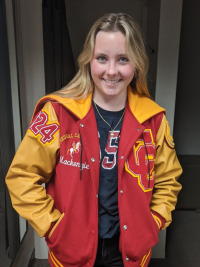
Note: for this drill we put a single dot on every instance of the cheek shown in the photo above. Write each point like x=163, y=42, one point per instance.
x=128, y=72
x=96, y=69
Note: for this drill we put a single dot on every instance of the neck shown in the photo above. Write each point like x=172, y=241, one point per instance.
x=111, y=103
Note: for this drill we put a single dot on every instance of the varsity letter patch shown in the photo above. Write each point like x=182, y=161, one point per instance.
x=43, y=129
x=140, y=164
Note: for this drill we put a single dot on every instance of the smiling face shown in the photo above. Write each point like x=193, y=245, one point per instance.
x=111, y=69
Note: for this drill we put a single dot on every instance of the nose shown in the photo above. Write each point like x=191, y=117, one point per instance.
x=112, y=69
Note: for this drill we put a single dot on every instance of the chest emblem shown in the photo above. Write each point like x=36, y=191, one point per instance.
x=73, y=159
x=75, y=148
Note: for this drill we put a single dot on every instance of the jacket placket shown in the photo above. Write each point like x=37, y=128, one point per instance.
x=131, y=131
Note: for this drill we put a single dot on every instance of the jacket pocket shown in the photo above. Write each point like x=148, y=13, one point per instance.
x=56, y=225
x=157, y=221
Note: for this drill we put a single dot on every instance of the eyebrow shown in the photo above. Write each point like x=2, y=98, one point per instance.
x=123, y=55
x=105, y=55
x=100, y=54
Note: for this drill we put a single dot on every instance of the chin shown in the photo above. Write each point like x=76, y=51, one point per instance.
x=111, y=92
x=114, y=91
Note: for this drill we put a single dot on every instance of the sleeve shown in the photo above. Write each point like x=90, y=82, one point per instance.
x=32, y=166
x=167, y=172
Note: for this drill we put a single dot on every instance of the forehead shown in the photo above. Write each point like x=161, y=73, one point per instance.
x=110, y=42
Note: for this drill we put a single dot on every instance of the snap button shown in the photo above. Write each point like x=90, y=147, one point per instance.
x=125, y=227
x=127, y=259
x=122, y=157
x=82, y=125
x=93, y=159
x=121, y=191
x=138, y=129
x=97, y=195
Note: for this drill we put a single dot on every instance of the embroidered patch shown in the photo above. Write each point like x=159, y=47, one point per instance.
x=168, y=138
x=73, y=160
x=74, y=148
x=69, y=136
x=43, y=129
x=72, y=163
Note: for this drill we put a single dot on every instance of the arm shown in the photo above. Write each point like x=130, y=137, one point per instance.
x=167, y=171
x=32, y=166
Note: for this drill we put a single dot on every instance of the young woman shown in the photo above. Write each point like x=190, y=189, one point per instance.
x=103, y=148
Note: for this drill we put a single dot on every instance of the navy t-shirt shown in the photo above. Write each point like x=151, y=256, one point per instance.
x=108, y=181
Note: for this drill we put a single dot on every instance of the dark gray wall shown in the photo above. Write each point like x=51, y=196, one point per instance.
x=187, y=113
x=82, y=14
x=9, y=230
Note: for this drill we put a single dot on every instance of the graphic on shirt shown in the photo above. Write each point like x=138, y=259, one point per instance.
x=110, y=159
x=140, y=164
x=74, y=149
x=43, y=129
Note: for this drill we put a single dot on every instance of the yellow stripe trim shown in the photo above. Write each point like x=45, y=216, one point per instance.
x=54, y=260
x=145, y=259
x=158, y=221
x=58, y=221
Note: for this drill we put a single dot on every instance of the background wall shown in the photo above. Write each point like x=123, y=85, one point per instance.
x=9, y=228
x=168, y=54
x=187, y=113
x=81, y=16
x=29, y=35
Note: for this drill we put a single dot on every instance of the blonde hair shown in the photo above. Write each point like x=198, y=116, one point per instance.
x=81, y=85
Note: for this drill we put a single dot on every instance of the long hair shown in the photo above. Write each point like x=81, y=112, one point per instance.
x=81, y=85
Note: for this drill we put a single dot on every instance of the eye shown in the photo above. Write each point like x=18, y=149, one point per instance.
x=101, y=59
x=123, y=60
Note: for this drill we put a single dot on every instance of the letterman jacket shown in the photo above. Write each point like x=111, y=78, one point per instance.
x=61, y=149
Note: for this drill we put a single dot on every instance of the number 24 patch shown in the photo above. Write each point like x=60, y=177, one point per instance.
x=43, y=129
